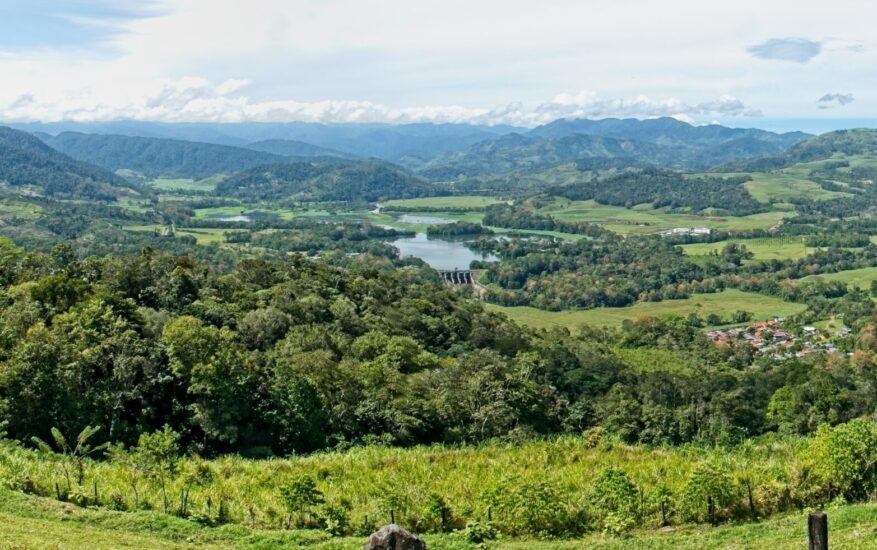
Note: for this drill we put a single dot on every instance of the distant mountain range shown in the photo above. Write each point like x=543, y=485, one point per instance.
x=442, y=150
x=406, y=144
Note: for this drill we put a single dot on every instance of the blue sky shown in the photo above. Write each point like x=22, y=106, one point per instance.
x=770, y=63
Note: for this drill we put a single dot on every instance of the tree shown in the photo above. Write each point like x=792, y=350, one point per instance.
x=158, y=453
x=300, y=495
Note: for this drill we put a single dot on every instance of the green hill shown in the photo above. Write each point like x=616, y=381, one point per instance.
x=858, y=141
x=155, y=157
x=341, y=180
x=27, y=162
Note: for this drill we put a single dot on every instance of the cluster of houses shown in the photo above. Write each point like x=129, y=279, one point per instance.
x=770, y=337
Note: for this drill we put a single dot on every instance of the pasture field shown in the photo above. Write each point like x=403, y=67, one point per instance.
x=643, y=218
x=184, y=184
x=781, y=186
x=767, y=248
x=465, y=201
x=722, y=303
x=861, y=278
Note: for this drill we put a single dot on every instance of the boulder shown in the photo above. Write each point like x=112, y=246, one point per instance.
x=393, y=537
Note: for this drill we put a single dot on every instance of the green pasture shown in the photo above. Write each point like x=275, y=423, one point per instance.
x=722, y=303
x=861, y=278
x=644, y=219
x=766, y=248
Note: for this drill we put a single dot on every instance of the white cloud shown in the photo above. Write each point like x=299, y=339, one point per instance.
x=198, y=100
x=444, y=60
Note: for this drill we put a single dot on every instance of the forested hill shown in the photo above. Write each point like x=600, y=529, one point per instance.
x=522, y=153
x=859, y=141
x=155, y=157
x=665, y=188
x=325, y=180
x=25, y=161
x=295, y=148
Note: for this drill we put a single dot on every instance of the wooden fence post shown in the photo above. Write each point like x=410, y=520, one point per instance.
x=817, y=530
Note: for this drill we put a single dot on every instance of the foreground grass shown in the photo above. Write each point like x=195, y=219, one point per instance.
x=722, y=303
x=28, y=522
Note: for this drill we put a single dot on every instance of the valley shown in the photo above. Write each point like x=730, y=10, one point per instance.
x=668, y=344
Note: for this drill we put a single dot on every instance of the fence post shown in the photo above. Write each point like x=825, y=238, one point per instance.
x=817, y=530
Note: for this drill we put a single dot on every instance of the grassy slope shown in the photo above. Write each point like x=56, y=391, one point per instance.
x=645, y=219
x=31, y=522
x=769, y=248
x=722, y=303
x=853, y=277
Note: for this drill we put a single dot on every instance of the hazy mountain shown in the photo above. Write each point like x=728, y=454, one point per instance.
x=663, y=142
x=667, y=131
x=26, y=161
x=407, y=143
x=159, y=157
x=295, y=148
x=325, y=180
x=524, y=153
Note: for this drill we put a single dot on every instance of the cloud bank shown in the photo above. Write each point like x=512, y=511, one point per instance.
x=199, y=100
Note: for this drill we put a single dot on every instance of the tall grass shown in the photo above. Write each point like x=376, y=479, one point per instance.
x=538, y=488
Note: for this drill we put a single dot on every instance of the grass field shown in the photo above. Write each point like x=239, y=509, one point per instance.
x=182, y=184
x=645, y=219
x=861, y=278
x=785, y=185
x=470, y=201
x=38, y=523
x=722, y=303
x=768, y=248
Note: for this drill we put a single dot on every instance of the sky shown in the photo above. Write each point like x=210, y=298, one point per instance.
x=773, y=64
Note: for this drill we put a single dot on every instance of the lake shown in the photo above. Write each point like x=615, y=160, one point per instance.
x=439, y=253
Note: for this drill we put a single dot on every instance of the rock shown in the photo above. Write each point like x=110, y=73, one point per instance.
x=393, y=537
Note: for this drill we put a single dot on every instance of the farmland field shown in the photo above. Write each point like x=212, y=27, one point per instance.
x=204, y=236
x=767, y=248
x=782, y=186
x=722, y=303
x=645, y=219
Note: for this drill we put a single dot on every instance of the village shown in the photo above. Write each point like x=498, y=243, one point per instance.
x=771, y=337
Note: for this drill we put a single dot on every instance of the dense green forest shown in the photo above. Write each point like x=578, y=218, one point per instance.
x=325, y=180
